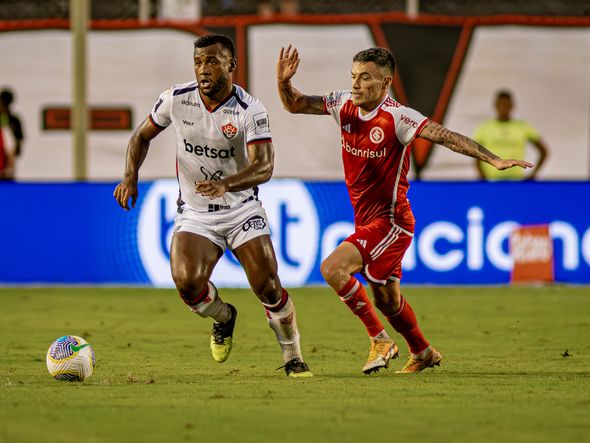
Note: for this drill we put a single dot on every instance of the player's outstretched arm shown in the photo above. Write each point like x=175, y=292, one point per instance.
x=259, y=171
x=137, y=150
x=293, y=100
x=464, y=145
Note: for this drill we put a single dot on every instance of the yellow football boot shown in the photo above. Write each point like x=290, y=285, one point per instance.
x=221, y=337
x=414, y=365
x=382, y=350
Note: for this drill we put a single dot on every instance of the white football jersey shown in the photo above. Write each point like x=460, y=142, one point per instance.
x=211, y=143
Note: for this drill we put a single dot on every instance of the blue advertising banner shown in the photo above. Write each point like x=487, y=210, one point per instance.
x=75, y=233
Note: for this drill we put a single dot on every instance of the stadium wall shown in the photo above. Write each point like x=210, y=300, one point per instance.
x=449, y=69
x=75, y=233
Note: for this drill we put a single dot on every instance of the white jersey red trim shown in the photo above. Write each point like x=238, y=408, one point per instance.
x=211, y=144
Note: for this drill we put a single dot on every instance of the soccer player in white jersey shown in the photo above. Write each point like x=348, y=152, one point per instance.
x=376, y=132
x=223, y=152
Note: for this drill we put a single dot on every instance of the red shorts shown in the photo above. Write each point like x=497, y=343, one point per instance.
x=382, y=246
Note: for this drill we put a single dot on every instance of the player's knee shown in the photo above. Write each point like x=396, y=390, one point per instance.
x=188, y=283
x=330, y=271
x=268, y=289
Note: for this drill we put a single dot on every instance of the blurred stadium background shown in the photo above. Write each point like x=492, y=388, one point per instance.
x=452, y=55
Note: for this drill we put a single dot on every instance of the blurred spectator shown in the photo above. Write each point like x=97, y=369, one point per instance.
x=11, y=136
x=508, y=138
x=267, y=8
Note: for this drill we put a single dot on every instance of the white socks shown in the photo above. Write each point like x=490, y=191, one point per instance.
x=381, y=336
x=212, y=306
x=284, y=324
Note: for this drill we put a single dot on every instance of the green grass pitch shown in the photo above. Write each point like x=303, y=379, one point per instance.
x=516, y=369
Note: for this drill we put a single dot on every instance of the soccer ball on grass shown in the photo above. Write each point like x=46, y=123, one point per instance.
x=70, y=358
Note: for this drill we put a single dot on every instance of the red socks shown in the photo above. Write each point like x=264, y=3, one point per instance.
x=355, y=297
x=404, y=321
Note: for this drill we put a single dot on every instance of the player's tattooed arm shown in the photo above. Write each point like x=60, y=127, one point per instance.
x=297, y=103
x=137, y=150
x=464, y=145
x=259, y=171
x=293, y=100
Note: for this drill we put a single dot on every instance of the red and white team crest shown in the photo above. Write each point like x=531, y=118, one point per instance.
x=229, y=131
x=376, y=135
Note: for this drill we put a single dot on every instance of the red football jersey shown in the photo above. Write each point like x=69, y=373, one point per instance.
x=376, y=157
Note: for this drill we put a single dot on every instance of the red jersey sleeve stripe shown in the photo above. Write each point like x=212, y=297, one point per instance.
x=153, y=122
x=259, y=141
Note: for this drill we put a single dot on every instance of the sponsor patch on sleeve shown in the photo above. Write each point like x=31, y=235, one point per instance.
x=332, y=100
x=261, y=123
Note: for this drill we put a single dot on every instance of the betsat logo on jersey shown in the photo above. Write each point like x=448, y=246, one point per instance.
x=209, y=152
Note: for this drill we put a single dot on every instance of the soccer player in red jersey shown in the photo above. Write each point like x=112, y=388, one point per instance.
x=376, y=133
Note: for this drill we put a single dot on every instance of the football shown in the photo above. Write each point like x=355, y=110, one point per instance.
x=70, y=358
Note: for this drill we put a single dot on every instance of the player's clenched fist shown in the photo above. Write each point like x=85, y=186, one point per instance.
x=211, y=189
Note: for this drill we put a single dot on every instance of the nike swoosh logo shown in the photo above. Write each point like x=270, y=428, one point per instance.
x=77, y=348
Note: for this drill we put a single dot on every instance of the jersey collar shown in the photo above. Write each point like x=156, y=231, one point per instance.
x=221, y=103
x=373, y=113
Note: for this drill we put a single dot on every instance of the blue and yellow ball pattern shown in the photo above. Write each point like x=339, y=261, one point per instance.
x=70, y=358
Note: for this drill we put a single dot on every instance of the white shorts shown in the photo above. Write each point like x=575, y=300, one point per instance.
x=228, y=227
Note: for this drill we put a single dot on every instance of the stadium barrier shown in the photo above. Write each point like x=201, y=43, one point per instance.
x=75, y=233
x=451, y=82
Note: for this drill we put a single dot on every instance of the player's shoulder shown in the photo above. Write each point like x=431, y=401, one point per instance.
x=390, y=104
x=397, y=111
x=182, y=88
x=244, y=99
x=339, y=95
x=338, y=98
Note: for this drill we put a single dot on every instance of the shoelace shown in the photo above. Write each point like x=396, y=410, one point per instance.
x=218, y=333
x=293, y=365
x=378, y=349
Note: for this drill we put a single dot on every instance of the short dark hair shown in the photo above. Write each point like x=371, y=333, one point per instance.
x=212, y=39
x=6, y=97
x=380, y=56
x=503, y=93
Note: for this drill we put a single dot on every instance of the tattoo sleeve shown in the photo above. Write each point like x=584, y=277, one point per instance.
x=456, y=142
x=298, y=103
